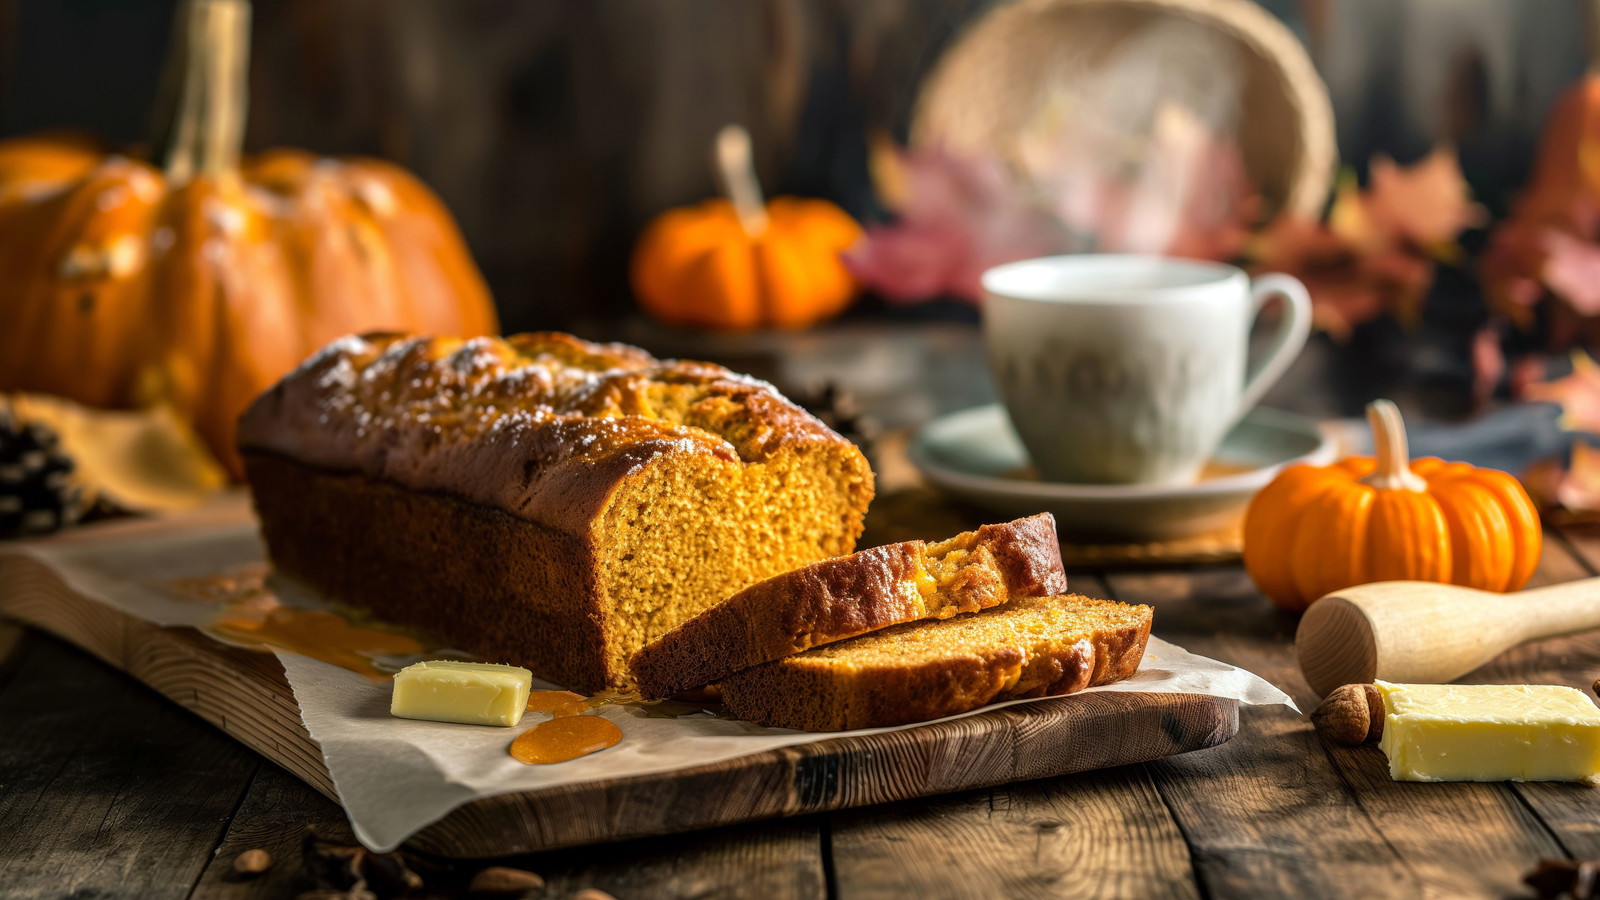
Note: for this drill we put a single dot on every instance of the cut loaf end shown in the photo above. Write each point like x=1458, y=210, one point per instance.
x=1032, y=647
x=841, y=598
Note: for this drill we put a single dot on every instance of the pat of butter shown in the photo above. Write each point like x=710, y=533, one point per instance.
x=1489, y=732
x=465, y=692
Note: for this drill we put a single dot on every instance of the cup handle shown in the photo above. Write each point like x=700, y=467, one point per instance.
x=1293, y=331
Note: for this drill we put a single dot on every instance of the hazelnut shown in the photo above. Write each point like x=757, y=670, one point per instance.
x=1352, y=714
x=251, y=863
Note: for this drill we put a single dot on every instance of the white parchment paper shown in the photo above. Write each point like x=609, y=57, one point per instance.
x=396, y=776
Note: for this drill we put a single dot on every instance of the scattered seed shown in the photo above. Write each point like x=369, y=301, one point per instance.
x=251, y=863
x=504, y=881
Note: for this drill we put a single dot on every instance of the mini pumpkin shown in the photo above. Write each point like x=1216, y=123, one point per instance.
x=1318, y=529
x=737, y=264
x=200, y=282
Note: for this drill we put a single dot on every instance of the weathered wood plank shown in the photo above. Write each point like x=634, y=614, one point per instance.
x=1583, y=540
x=777, y=860
x=1098, y=834
x=1266, y=815
x=1570, y=811
x=109, y=790
x=276, y=811
x=10, y=642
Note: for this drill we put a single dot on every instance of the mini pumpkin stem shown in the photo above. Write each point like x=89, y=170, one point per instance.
x=1391, y=450
x=738, y=173
x=208, y=126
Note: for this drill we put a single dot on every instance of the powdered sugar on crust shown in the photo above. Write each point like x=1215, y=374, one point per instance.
x=513, y=423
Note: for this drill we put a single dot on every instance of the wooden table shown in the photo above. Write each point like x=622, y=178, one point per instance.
x=108, y=790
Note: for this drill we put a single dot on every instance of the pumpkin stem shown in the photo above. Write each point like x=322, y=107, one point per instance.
x=1391, y=450
x=208, y=127
x=738, y=172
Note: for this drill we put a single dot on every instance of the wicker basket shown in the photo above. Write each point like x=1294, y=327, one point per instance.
x=1007, y=63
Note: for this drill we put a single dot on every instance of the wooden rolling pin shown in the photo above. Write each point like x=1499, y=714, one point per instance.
x=1425, y=633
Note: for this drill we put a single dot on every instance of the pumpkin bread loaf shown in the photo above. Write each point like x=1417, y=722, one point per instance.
x=840, y=598
x=541, y=500
x=926, y=670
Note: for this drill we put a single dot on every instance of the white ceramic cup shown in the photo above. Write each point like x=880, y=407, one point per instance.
x=1131, y=369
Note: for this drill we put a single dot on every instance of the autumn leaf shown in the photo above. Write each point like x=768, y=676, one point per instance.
x=1578, y=394
x=1064, y=186
x=1488, y=362
x=1570, y=492
x=1349, y=285
x=1375, y=253
x=1427, y=203
x=1550, y=245
x=1572, y=270
x=955, y=218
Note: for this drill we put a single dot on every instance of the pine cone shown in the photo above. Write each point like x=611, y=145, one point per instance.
x=38, y=494
x=838, y=409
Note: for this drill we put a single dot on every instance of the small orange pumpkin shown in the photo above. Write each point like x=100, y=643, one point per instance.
x=201, y=282
x=1318, y=529
x=738, y=264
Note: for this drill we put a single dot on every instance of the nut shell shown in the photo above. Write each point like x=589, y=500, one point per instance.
x=1351, y=714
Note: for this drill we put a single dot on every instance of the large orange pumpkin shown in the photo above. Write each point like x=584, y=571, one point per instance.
x=738, y=264
x=1318, y=529
x=201, y=282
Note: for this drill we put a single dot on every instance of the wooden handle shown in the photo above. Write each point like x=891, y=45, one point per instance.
x=1420, y=632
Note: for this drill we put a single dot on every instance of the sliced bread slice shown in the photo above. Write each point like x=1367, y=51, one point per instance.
x=926, y=670
x=850, y=595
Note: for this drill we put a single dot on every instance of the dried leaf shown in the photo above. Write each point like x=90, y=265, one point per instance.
x=1375, y=254
x=1180, y=189
x=956, y=218
x=1488, y=362
x=1572, y=270
x=1348, y=285
x=1427, y=203
x=1548, y=247
x=139, y=460
x=1512, y=268
x=1573, y=491
x=1578, y=394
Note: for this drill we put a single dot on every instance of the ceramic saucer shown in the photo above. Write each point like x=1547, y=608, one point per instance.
x=975, y=456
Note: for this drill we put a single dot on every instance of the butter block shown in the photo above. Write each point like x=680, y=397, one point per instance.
x=1489, y=732
x=465, y=692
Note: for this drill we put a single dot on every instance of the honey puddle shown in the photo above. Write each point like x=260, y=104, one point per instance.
x=570, y=734
x=254, y=617
x=316, y=633
x=563, y=738
x=557, y=703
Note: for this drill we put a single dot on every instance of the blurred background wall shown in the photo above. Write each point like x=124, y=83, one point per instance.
x=554, y=130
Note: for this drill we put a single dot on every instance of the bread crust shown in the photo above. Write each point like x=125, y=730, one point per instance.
x=841, y=598
x=478, y=578
x=813, y=693
x=541, y=426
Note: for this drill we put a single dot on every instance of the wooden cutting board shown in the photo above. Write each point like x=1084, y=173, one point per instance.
x=246, y=695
